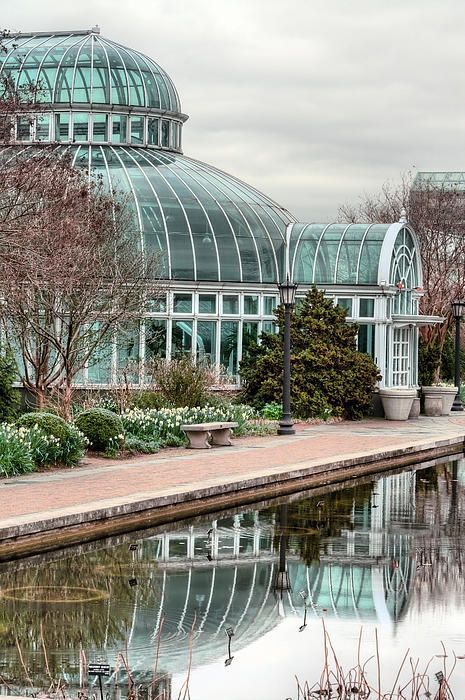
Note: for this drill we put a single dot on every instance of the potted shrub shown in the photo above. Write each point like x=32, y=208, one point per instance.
x=397, y=402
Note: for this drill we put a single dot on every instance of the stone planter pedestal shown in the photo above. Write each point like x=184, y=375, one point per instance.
x=397, y=402
x=438, y=399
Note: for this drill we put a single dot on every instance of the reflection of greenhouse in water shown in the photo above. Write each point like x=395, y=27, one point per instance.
x=223, y=574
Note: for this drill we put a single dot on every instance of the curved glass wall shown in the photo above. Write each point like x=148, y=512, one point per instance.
x=336, y=253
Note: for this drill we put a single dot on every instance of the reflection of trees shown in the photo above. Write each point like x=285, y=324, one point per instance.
x=68, y=625
x=440, y=551
x=312, y=521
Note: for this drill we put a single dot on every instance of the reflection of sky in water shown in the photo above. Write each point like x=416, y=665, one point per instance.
x=389, y=558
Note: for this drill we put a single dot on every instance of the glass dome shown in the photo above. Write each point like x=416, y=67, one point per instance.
x=82, y=67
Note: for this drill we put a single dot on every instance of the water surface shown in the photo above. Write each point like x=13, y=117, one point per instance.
x=236, y=603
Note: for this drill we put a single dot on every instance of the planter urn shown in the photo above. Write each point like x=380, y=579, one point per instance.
x=438, y=399
x=397, y=402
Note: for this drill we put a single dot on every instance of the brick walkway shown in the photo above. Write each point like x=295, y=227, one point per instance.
x=99, y=483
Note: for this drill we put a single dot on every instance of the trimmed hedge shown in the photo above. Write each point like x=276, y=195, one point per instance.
x=102, y=428
x=48, y=422
x=52, y=439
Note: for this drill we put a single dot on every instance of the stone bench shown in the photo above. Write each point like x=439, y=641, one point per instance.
x=199, y=434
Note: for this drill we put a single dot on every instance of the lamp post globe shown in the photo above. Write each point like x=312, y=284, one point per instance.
x=287, y=292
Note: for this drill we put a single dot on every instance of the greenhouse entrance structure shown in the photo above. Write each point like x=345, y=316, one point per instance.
x=223, y=245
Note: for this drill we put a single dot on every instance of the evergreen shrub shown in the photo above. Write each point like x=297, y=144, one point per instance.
x=329, y=377
x=102, y=428
x=181, y=382
x=9, y=396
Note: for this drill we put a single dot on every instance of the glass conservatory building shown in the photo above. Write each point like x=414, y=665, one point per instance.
x=223, y=245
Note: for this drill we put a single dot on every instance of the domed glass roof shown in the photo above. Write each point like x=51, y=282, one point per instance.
x=76, y=68
x=206, y=224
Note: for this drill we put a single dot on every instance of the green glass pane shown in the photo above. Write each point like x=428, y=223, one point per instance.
x=152, y=131
x=128, y=352
x=230, y=304
x=250, y=305
x=181, y=337
x=182, y=303
x=249, y=336
x=268, y=327
x=137, y=130
x=100, y=84
x=346, y=304
x=80, y=126
x=228, y=347
x=206, y=341
x=136, y=91
x=367, y=308
x=43, y=127
x=119, y=128
x=81, y=91
x=207, y=303
x=99, y=364
x=269, y=305
x=303, y=247
x=100, y=127
x=23, y=128
x=165, y=133
x=155, y=338
x=62, y=122
x=119, y=87
x=366, y=339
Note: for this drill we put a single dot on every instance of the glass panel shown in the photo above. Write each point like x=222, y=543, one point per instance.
x=100, y=132
x=62, y=126
x=43, y=127
x=175, y=134
x=228, y=349
x=367, y=308
x=152, y=131
x=165, y=133
x=250, y=305
x=99, y=364
x=81, y=91
x=206, y=341
x=366, y=339
x=182, y=303
x=155, y=338
x=249, y=336
x=23, y=129
x=207, y=303
x=80, y=126
x=157, y=305
x=230, y=304
x=181, y=339
x=119, y=129
x=128, y=355
x=269, y=327
x=345, y=304
x=327, y=252
x=269, y=305
x=369, y=258
x=137, y=129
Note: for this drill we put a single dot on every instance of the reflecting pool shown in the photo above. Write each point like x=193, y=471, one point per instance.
x=235, y=606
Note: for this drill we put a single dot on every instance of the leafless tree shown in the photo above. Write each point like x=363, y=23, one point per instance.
x=437, y=214
x=71, y=269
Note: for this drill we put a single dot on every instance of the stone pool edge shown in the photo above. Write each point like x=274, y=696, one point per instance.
x=30, y=534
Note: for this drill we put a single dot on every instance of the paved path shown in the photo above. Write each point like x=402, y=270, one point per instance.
x=99, y=488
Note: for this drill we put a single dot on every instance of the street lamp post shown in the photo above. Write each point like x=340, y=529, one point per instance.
x=458, y=309
x=287, y=292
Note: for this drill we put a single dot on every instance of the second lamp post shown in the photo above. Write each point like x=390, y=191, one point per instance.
x=458, y=309
x=287, y=292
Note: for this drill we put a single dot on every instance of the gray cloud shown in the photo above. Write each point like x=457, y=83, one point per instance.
x=311, y=102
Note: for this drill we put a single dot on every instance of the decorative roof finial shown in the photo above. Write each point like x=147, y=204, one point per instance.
x=96, y=29
x=403, y=216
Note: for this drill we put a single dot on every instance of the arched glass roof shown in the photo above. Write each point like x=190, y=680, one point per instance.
x=76, y=68
x=352, y=254
x=205, y=224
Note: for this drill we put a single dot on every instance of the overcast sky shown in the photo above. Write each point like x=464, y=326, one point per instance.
x=311, y=101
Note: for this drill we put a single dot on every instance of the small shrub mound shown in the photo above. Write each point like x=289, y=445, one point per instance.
x=51, y=439
x=102, y=428
x=48, y=422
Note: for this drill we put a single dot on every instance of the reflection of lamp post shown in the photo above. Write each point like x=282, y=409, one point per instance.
x=458, y=309
x=287, y=292
x=230, y=632
x=282, y=582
